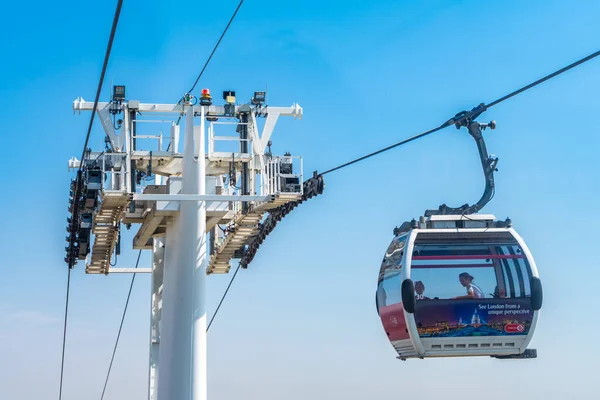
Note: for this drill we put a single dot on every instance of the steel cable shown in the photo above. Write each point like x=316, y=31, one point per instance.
x=469, y=114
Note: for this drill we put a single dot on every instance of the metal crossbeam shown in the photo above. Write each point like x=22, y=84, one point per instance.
x=203, y=197
x=81, y=105
x=130, y=270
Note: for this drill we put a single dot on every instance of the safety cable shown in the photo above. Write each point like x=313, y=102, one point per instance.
x=469, y=114
x=120, y=326
x=102, y=74
x=62, y=363
x=77, y=191
x=216, y=46
x=213, y=51
x=223, y=298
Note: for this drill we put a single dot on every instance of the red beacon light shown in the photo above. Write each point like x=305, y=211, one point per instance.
x=205, y=98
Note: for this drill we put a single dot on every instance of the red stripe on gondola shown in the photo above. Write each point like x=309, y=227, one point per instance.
x=451, y=266
x=469, y=257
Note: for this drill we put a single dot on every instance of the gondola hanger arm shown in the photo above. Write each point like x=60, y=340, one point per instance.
x=488, y=163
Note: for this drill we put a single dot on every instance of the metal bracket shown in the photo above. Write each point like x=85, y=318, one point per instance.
x=115, y=140
x=488, y=162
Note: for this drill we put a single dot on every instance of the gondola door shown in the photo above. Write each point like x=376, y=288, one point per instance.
x=408, y=296
x=389, y=296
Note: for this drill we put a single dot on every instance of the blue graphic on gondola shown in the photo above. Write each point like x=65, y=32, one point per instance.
x=461, y=318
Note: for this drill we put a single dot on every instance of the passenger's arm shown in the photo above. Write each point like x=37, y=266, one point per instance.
x=470, y=295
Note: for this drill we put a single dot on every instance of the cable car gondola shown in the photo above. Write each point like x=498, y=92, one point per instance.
x=458, y=283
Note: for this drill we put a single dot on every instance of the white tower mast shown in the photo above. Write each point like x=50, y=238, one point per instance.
x=188, y=199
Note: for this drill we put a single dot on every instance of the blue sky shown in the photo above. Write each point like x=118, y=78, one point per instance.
x=301, y=322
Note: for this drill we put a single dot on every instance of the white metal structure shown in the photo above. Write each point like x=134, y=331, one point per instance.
x=194, y=198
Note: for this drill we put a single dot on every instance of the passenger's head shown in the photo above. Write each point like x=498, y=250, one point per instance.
x=465, y=278
x=419, y=287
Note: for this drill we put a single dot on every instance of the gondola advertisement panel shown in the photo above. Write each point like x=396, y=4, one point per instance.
x=484, y=317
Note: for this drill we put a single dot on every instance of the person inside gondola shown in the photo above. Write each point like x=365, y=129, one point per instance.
x=473, y=291
x=419, y=289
